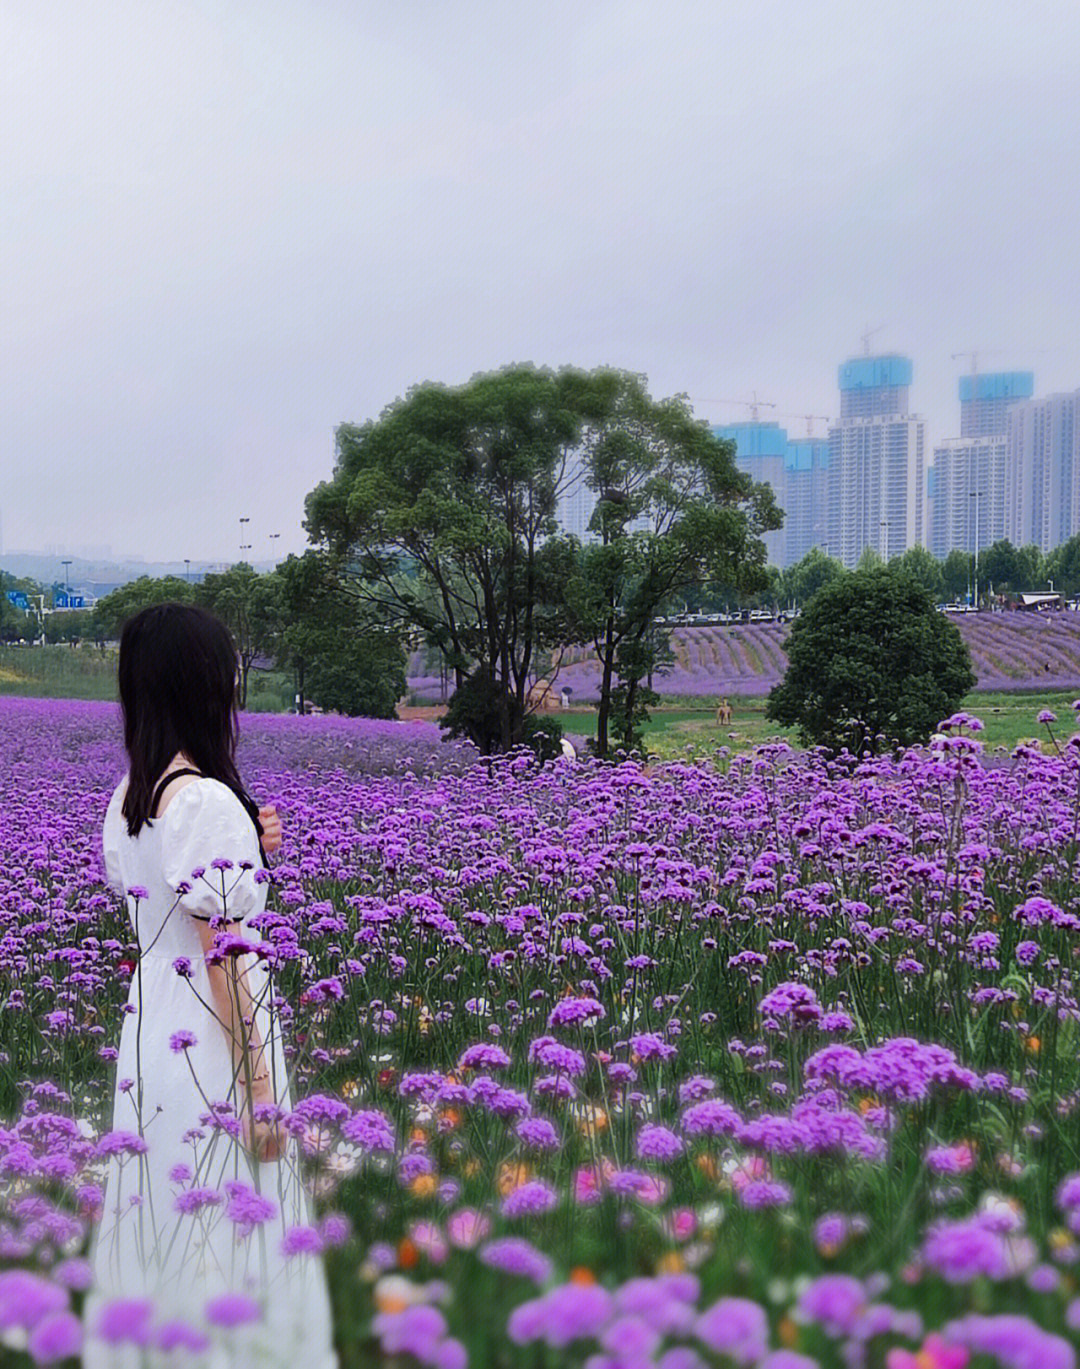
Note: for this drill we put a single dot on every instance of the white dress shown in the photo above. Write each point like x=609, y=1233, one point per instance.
x=225, y=1242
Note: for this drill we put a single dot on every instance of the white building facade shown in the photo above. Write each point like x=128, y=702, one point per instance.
x=967, y=480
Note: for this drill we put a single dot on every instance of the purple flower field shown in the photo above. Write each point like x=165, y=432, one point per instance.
x=1008, y=651
x=593, y=1066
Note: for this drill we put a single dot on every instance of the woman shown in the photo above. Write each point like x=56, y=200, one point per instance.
x=202, y=1185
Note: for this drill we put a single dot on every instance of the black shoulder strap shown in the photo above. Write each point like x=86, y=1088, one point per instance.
x=248, y=804
x=172, y=775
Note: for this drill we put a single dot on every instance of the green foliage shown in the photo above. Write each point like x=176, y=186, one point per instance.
x=801, y=581
x=477, y=710
x=68, y=627
x=923, y=567
x=871, y=663
x=672, y=511
x=957, y=575
x=246, y=603
x=1062, y=566
x=871, y=559
x=543, y=736
x=16, y=624
x=112, y=611
x=444, y=511
x=632, y=697
x=344, y=659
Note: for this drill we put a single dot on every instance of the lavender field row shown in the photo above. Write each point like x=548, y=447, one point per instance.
x=1008, y=651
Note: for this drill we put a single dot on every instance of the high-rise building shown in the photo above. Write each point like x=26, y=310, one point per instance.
x=967, y=481
x=874, y=387
x=985, y=401
x=1043, y=476
x=761, y=450
x=968, y=475
x=805, y=496
x=877, y=463
x=576, y=500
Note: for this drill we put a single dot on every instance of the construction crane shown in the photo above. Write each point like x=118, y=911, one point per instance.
x=753, y=404
x=868, y=335
x=975, y=354
x=824, y=418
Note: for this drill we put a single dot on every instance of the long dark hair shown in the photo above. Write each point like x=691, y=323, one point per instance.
x=178, y=692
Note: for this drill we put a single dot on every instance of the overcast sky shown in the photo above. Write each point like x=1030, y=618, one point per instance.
x=230, y=225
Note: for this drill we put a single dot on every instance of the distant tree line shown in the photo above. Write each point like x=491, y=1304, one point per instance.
x=1002, y=570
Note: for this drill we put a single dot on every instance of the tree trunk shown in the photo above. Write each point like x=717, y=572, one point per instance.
x=603, y=710
x=300, y=704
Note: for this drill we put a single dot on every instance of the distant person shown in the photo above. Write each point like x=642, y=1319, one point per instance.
x=723, y=713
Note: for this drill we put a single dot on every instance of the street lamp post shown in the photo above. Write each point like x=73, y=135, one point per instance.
x=187, y=569
x=67, y=575
x=976, y=495
x=242, y=522
x=273, y=538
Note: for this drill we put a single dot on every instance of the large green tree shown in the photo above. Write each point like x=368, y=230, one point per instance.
x=247, y=603
x=871, y=663
x=672, y=510
x=441, y=515
x=343, y=662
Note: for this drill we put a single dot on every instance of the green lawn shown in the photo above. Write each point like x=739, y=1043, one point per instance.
x=1008, y=717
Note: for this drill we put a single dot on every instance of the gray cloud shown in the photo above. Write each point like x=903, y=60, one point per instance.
x=229, y=227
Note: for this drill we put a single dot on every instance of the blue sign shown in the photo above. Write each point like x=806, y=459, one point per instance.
x=65, y=599
x=18, y=599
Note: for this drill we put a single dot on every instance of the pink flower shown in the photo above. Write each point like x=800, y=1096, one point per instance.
x=466, y=1228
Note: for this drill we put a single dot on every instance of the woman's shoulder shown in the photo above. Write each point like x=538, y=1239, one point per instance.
x=202, y=800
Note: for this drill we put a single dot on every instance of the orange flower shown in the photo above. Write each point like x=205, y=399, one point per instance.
x=423, y=1186
x=670, y=1262
x=593, y=1120
x=408, y=1255
x=449, y=1119
x=580, y=1275
x=511, y=1176
x=1032, y=1044
x=788, y=1332
x=708, y=1166
x=418, y=1136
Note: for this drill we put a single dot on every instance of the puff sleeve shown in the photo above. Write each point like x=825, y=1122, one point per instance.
x=110, y=839
x=207, y=839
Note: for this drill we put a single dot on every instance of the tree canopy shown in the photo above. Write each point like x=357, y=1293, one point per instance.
x=672, y=510
x=340, y=663
x=871, y=663
x=443, y=512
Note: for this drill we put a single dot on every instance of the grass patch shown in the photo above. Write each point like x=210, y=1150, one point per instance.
x=88, y=672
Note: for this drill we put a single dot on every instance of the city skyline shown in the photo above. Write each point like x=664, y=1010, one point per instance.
x=229, y=230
